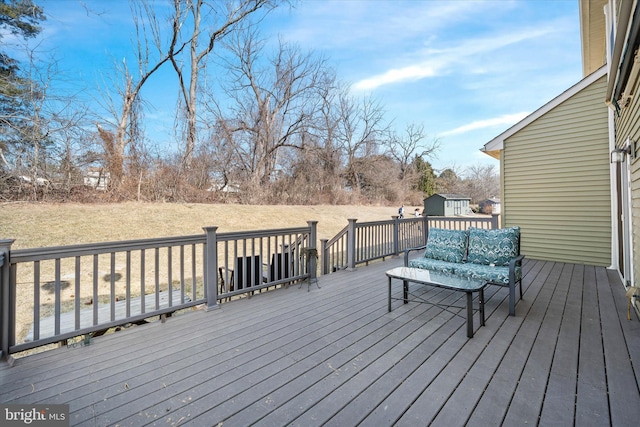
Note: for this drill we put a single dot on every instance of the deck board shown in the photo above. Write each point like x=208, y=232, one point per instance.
x=335, y=356
x=528, y=397
x=559, y=401
x=591, y=403
x=620, y=376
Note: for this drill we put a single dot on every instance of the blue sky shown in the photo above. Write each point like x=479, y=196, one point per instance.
x=467, y=70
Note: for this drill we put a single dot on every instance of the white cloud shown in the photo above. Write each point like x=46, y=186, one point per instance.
x=507, y=119
x=462, y=56
x=364, y=25
x=414, y=72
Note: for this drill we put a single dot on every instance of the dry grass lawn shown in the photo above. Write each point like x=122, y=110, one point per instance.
x=34, y=225
x=44, y=224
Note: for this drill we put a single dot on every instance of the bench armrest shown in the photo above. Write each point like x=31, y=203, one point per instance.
x=513, y=262
x=406, y=253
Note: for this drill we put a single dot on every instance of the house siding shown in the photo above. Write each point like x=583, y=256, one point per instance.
x=556, y=181
x=628, y=125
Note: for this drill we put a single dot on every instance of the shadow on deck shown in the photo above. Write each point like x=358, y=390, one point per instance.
x=336, y=356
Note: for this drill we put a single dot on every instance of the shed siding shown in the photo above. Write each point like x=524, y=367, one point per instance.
x=434, y=205
x=556, y=182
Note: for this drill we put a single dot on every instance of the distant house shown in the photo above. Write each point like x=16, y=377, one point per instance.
x=96, y=178
x=447, y=205
x=490, y=206
x=224, y=188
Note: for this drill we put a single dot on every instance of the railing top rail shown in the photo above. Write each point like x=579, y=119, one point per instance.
x=370, y=223
x=236, y=235
x=461, y=218
x=35, y=254
x=338, y=236
x=387, y=221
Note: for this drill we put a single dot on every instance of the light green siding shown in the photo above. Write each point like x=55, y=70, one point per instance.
x=556, y=181
x=628, y=125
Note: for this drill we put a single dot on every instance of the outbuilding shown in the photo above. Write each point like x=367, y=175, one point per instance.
x=447, y=205
x=490, y=206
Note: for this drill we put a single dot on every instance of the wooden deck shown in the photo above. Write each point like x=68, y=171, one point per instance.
x=335, y=356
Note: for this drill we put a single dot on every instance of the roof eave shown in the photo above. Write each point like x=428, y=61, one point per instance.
x=497, y=143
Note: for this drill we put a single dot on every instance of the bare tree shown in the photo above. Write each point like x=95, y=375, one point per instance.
x=328, y=154
x=125, y=108
x=41, y=152
x=359, y=133
x=481, y=182
x=403, y=148
x=273, y=104
x=210, y=22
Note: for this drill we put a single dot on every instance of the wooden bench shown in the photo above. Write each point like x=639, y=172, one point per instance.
x=68, y=319
x=489, y=255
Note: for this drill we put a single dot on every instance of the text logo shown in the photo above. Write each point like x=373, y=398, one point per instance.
x=34, y=415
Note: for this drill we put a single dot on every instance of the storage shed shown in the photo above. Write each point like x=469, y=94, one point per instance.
x=490, y=206
x=447, y=205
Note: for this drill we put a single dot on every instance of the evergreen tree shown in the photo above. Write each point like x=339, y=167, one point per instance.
x=19, y=18
x=426, y=176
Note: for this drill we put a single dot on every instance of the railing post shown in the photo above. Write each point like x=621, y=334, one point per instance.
x=6, y=304
x=425, y=228
x=325, y=258
x=211, y=268
x=495, y=221
x=312, y=260
x=351, y=245
x=396, y=235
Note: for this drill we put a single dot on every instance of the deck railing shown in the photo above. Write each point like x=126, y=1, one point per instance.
x=360, y=243
x=53, y=294
x=463, y=223
x=50, y=295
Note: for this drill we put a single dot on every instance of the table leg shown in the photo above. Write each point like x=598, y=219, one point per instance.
x=405, y=290
x=389, y=293
x=481, y=304
x=469, y=314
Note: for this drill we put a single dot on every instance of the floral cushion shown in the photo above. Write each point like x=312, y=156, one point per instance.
x=433, y=265
x=446, y=245
x=493, y=247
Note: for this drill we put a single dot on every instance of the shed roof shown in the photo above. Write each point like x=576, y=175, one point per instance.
x=450, y=196
x=491, y=200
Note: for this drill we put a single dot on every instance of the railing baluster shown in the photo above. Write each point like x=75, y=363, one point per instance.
x=36, y=298
x=112, y=286
x=169, y=277
x=193, y=272
x=57, y=296
x=182, y=267
x=76, y=303
x=94, y=299
x=143, y=304
x=156, y=263
x=128, y=284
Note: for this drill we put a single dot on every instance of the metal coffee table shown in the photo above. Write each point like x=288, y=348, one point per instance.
x=440, y=280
